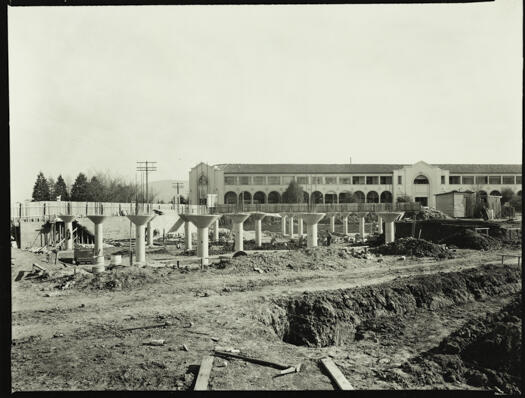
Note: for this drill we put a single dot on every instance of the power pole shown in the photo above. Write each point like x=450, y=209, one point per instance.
x=147, y=166
x=177, y=185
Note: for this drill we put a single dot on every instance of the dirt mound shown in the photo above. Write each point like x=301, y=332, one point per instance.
x=485, y=352
x=426, y=214
x=469, y=239
x=413, y=247
x=125, y=278
x=332, y=317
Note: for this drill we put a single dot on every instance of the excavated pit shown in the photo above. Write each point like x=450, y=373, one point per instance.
x=326, y=318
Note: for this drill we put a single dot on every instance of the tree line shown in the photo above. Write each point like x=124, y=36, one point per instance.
x=101, y=187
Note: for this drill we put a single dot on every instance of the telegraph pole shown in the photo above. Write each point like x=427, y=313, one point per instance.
x=177, y=185
x=147, y=166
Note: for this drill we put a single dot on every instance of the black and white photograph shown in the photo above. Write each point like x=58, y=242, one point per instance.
x=277, y=197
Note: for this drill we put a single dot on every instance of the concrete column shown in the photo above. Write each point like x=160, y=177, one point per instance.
x=345, y=225
x=390, y=218
x=290, y=226
x=68, y=225
x=361, y=216
x=380, y=224
x=187, y=232
x=311, y=220
x=238, y=228
x=202, y=222
x=258, y=217
x=332, y=223
x=300, y=226
x=283, y=224
x=140, y=243
x=216, y=231
x=150, y=235
x=99, y=238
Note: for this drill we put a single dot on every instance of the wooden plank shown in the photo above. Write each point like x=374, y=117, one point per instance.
x=204, y=374
x=254, y=360
x=336, y=374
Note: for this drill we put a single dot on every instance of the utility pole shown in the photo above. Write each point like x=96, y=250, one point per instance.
x=177, y=185
x=147, y=166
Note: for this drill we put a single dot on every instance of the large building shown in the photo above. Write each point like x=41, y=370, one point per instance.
x=338, y=183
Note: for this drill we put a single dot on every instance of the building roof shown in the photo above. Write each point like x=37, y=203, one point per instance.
x=284, y=168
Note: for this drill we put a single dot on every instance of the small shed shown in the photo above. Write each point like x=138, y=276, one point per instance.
x=456, y=204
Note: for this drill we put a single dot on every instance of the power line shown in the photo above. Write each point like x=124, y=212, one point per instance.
x=146, y=167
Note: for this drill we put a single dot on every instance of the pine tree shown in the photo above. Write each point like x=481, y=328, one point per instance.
x=61, y=188
x=80, y=189
x=293, y=193
x=40, y=189
x=95, y=190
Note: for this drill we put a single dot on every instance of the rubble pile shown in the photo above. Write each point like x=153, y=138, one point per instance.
x=414, y=247
x=484, y=353
x=469, y=239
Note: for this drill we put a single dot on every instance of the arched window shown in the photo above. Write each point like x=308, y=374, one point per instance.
x=259, y=197
x=317, y=197
x=372, y=197
x=359, y=197
x=421, y=180
x=386, y=197
x=274, y=197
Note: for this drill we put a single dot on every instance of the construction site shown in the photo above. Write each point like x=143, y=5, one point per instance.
x=354, y=296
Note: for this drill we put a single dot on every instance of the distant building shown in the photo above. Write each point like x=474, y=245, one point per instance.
x=333, y=183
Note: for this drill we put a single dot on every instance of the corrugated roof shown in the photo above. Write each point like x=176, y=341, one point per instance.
x=284, y=168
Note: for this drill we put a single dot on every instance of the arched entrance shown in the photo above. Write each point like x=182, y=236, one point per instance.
x=306, y=197
x=345, y=197
x=386, y=197
x=359, y=197
x=495, y=193
x=245, y=197
x=421, y=190
x=372, y=197
x=330, y=197
x=259, y=197
x=317, y=197
x=274, y=197
x=230, y=198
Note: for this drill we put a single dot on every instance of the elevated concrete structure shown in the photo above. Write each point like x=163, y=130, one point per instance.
x=380, y=224
x=300, y=231
x=202, y=222
x=187, y=232
x=283, y=223
x=290, y=225
x=332, y=221
x=311, y=220
x=150, y=231
x=390, y=218
x=238, y=229
x=257, y=218
x=345, y=224
x=361, y=216
x=140, y=246
x=68, y=225
x=98, y=220
x=216, y=230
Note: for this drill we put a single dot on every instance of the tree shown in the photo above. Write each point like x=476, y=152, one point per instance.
x=41, y=189
x=51, y=184
x=506, y=195
x=404, y=199
x=293, y=193
x=80, y=189
x=61, y=189
x=95, y=190
x=517, y=203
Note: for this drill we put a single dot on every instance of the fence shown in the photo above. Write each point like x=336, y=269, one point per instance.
x=51, y=209
x=315, y=208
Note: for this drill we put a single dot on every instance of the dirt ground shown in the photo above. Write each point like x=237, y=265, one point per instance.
x=74, y=338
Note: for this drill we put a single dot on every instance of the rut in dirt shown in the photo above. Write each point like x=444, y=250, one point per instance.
x=326, y=318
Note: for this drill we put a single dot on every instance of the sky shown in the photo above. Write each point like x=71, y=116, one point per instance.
x=100, y=88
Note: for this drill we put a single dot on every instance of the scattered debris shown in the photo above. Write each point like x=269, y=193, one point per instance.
x=155, y=342
x=336, y=374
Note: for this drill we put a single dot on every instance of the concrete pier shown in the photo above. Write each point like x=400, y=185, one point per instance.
x=68, y=229
x=361, y=216
x=380, y=224
x=216, y=230
x=202, y=222
x=300, y=225
x=238, y=229
x=311, y=220
x=187, y=232
x=283, y=224
x=150, y=232
x=332, y=222
x=257, y=218
x=290, y=226
x=98, y=220
x=390, y=218
x=140, y=243
x=345, y=224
